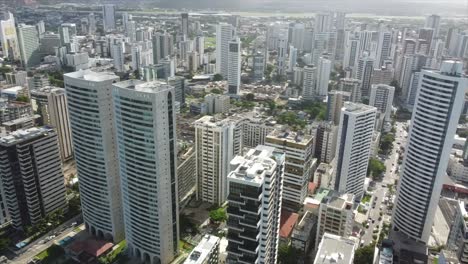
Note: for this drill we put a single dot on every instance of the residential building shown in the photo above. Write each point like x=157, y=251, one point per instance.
x=325, y=142
x=17, y=78
x=28, y=41
x=353, y=148
x=234, y=67
x=353, y=87
x=335, y=102
x=32, y=178
x=428, y=149
x=8, y=36
x=13, y=110
x=335, y=250
x=94, y=144
x=381, y=97
x=255, y=130
x=224, y=34
x=206, y=252
x=364, y=74
x=185, y=24
x=254, y=207
x=457, y=240
x=323, y=76
x=186, y=174
x=216, y=143
x=178, y=82
x=384, y=48
x=108, y=17
x=309, y=83
x=148, y=168
x=51, y=104
x=299, y=155
x=217, y=103
x=304, y=233
x=335, y=216
x=258, y=66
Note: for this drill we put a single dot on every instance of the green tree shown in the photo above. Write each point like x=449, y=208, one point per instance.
x=249, y=97
x=216, y=91
x=218, y=215
x=217, y=77
x=364, y=255
x=395, y=84
x=4, y=69
x=4, y=243
x=288, y=254
x=22, y=98
x=375, y=168
x=386, y=143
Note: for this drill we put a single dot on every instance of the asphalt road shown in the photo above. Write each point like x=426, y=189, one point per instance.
x=35, y=248
x=381, y=188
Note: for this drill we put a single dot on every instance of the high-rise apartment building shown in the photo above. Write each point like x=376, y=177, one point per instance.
x=309, y=82
x=108, y=17
x=91, y=110
x=433, y=21
x=325, y=142
x=258, y=66
x=353, y=87
x=118, y=57
x=185, y=24
x=323, y=22
x=234, y=66
x=8, y=36
x=216, y=143
x=335, y=102
x=353, y=148
x=28, y=40
x=335, y=215
x=323, y=76
x=254, y=206
x=298, y=172
x=381, y=97
x=384, y=48
x=51, y=104
x=148, y=168
x=224, y=34
x=439, y=103
x=32, y=177
x=364, y=73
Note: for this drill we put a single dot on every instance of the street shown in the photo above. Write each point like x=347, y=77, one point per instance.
x=35, y=248
x=381, y=189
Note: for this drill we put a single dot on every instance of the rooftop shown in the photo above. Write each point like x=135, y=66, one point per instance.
x=215, y=121
x=339, y=201
x=92, y=76
x=49, y=90
x=303, y=229
x=253, y=166
x=357, y=107
x=202, y=251
x=287, y=223
x=141, y=86
x=291, y=136
x=335, y=249
x=93, y=247
x=23, y=135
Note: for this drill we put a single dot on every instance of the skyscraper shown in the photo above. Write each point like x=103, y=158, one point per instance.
x=323, y=77
x=282, y=54
x=234, y=67
x=353, y=147
x=108, y=17
x=440, y=92
x=309, y=83
x=147, y=157
x=8, y=37
x=92, y=24
x=381, y=97
x=353, y=87
x=433, y=21
x=118, y=56
x=335, y=102
x=364, y=74
x=185, y=24
x=216, y=143
x=383, y=48
x=224, y=34
x=51, y=104
x=254, y=206
x=32, y=177
x=323, y=22
x=28, y=40
x=91, y=111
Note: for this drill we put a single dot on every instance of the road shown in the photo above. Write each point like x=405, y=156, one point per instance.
x=381, y=188
x=35, y=248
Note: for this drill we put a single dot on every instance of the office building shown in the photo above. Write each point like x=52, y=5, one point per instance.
x=353, y=87
x=51, y=104
x=149, y=193
x=32, y=177
x=8, y=36
x=335, y=102
x=206, y=252
x=353, y=148
x=335, y=216
x=298, y=172
x=224, y=34
x=108, y=17
x=28, y=41
x=335, y=250
x=234, y=67
x=381, y=97
x=216, y=143
x=309, y=82
x=428, y=149
x=94, y=143
x=323, y=76
x=254, y=207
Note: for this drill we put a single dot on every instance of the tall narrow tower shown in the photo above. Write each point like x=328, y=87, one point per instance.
x=439, y=103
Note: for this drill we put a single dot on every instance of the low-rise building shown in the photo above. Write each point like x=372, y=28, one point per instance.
x=334, y=249
x=304, y=232
x=206, y=252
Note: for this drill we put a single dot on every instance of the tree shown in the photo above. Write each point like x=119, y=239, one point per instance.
x=216, y=91
x=4, y=243
x=376, y=168
x=395, y=84
x=218, y=215
x=22, y=98
x=287, y=254
x=217, y=77
x=386, y=143
x=364, y=255
x=249, y=97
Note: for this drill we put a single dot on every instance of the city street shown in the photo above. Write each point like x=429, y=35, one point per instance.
x=35, y=248
x=381, y=188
